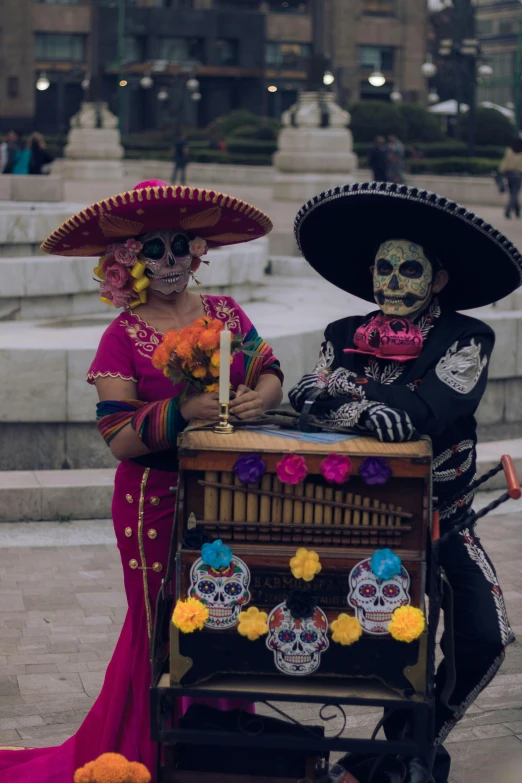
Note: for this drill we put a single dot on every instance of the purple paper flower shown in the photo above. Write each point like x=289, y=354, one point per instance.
x=375, y=470
x=250, y=468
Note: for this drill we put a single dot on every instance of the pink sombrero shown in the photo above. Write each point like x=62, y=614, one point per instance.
x=156, y=206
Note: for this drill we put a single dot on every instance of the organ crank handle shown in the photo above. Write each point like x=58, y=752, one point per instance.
x=513, y=483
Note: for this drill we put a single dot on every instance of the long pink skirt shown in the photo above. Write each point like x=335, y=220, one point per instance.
x=119, y=721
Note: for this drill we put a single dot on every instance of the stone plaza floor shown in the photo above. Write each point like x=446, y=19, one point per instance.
x=61, y=608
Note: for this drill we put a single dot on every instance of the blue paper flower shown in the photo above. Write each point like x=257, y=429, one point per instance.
x=385, y=564
x=216, y=555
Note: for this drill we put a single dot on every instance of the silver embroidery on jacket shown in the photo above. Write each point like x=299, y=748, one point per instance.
x=461, y=369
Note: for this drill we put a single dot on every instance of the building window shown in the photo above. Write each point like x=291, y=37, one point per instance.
x=227, y=51
x=181, y=49
x=287, y=55
x=377, y=58
x=13, y=87
x=134, y=49
x=506, y=26
x=485, y=27
x=60, y=46
x=378, y=7
x=60, y=2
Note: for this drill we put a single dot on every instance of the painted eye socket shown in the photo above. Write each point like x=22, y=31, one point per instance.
x=413, y=269
x=154, y=249
x=308, y=637
x=180, y=245
x=391, y=591
x=384, y=267
x=206, y=587
x=368, y=591
x=286, y=636
x=232, y=588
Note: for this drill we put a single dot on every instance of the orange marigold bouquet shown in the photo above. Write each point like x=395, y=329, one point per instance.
x=192, y=354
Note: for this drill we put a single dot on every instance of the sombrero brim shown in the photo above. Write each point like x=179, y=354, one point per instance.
x=216, y=217
x=340, y=231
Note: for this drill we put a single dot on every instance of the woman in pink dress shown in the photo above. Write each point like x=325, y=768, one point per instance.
x=152, y=240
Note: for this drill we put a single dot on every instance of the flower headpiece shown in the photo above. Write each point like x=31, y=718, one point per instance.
x=121, y=272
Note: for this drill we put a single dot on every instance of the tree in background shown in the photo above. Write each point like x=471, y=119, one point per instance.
x=491, y=127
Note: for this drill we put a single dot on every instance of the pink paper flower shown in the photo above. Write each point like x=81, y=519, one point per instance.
x=116, y=276
x=336, y=468
x=134, y=245
x=197, y=247
x=292, y=469
x=124, y=256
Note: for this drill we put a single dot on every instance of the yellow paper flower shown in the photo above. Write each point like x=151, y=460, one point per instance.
x=407, y=623
x=252, y=623
x=305, y=564
x=189, y=615
x=346, y=629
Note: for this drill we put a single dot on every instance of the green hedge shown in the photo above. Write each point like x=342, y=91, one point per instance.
x=470, y=166
x=203, y=156
x=446, y=149
x=491, y=127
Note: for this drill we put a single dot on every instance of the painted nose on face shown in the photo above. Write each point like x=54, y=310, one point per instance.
x=172, y=260
x=394, y=283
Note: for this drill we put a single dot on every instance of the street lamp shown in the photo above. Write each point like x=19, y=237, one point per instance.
x=42, y=83
x=429, y=69
x=396, y=96
x=146, y=81
x=328, y=78
x=272, y=88
x=377, y=79
x=163, y=95
x=193, y=84
x=433, y=96
x=485, y=70
x=196, y=96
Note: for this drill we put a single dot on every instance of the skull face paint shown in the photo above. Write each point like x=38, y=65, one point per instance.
x=168, y=260
x=402, y=277
x=374, y=599
x=297, y=644
x=224, y=592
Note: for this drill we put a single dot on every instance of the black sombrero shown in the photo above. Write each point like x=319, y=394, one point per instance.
x=339, y=232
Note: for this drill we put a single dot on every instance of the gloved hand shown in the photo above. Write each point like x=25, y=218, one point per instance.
x=390, y=425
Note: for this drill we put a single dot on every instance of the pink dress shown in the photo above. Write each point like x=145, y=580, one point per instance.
x=143, y=512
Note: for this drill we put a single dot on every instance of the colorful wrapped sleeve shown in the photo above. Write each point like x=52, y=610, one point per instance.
x=157, y=424
x=265, y=363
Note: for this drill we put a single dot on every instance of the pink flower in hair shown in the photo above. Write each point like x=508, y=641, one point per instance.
x=134, y=245
x=198, y=247
x=116, y=276
x=124, y=255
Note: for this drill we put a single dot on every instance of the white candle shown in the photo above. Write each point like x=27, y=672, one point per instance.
x=224, y=366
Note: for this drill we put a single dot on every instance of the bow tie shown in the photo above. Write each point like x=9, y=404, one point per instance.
x=388, y=338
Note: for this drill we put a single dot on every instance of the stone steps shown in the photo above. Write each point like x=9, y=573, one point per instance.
x=86, y=494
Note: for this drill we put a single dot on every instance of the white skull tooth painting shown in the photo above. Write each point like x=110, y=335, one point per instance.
x=297, y=644
x=374, y=599
x=223, y=592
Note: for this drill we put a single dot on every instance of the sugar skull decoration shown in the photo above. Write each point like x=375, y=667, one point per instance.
x=224, y=591
x=402, y=278
x=375, y=598
x=297, y=643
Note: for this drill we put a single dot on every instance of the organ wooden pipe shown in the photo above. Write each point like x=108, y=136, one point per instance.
x=211, y=498
x=265, y=503
x=226, y=498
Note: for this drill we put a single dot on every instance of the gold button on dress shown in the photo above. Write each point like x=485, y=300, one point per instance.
x=155, y=500
x=129, y=498
x=157, y=567
x=152, y=533
x=128, y=532
x=133, y=564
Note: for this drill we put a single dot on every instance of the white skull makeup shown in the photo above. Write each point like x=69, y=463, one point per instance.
x=224, y=593
x=168, y=260
x=374, y=599
x=402, y=277
x=297, y=644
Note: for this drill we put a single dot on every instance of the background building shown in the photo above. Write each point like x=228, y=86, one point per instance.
x=499, y=29
x=139, y=55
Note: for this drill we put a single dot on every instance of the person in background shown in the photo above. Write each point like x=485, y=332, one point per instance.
x=181, y=157
x=12, y=141
x=3, y=156
x=396, y=155
x=511, y=168
x=378, y=160
x=40, y=156
x=22, y=158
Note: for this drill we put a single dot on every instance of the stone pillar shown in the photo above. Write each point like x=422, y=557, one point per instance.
x=315, y=149
x=93, y=148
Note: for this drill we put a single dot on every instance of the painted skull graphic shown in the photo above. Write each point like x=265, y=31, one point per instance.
x=297, y=644
x=223, y=592
x=374, y=599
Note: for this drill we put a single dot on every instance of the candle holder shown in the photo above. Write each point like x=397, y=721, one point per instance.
x=224, y=427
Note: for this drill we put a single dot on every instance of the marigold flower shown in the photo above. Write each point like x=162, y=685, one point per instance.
x=252, y=623
x=171, y=339
x=199, y=372
x=213, y=372
x=212, y=387
x=305, y=564
x=346, y=629
x=208, y=340
x=184, y=349
x=112, y=768
x=407, y=623
x=215, y=325
x=214, y=359
x=160, y=357
x=189, y=615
